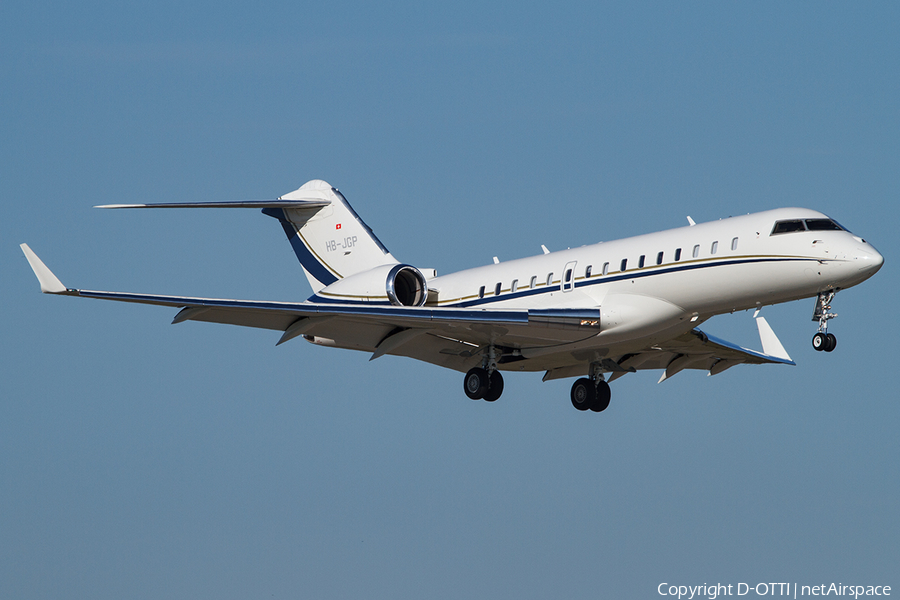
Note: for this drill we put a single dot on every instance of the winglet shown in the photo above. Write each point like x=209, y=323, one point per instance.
x=770, y=342
x=49, y=282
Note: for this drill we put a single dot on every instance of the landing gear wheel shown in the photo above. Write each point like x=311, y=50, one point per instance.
x=584, y=393
x=830, y=343
x=820, y=342
x=603, y=394
x=476, y=383
x=495, y=388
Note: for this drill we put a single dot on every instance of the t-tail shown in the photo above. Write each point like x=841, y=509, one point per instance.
x=327, y=235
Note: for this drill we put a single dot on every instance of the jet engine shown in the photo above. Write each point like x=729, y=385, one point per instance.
x=398, y=284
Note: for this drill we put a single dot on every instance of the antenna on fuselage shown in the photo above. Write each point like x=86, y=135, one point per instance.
x=691, y=221
x=544, y=248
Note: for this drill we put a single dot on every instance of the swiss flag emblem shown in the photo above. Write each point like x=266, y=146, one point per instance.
x=338, y=226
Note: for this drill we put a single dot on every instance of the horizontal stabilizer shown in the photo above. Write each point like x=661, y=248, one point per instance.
x=278, y=203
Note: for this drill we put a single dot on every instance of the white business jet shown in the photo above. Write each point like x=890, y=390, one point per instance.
x=596, y=312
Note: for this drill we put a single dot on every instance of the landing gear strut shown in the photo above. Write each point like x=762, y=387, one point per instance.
x=484, y=382
x=824, y=340
x=591, y=393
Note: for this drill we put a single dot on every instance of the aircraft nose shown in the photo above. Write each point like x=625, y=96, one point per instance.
x=869, y=259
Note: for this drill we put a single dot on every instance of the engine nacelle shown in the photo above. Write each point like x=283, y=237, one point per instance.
x=401, y=285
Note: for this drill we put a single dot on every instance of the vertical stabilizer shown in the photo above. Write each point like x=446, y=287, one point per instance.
x=331, y=242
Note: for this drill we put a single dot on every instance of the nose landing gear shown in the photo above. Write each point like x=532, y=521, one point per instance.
x=824, y=341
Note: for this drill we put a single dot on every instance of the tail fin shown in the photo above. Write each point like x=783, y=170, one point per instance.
x=331, y=242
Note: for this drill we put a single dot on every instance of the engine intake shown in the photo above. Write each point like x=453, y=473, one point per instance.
x=405, y=286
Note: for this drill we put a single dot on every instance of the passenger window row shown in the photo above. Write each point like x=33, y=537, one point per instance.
x=623, y=266
x=514, y=286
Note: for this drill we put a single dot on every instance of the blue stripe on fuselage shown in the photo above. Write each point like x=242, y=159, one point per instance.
x=597, y=280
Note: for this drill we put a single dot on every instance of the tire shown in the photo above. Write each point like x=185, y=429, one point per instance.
x=495, y=388
x=603, y=394
x=820, y=341
x=475, y=383
x=831, y=343
x=583, y=393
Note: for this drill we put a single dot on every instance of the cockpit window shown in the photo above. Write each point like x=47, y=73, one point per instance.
x=806, y=224
x=823, y=225
x=788, y=226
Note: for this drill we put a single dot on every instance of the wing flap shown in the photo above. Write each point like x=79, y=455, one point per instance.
x=260, y=319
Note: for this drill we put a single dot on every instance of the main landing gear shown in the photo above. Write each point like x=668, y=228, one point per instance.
x=591, y=393
x=824, y=341
x=479, y=385
x=484, y=382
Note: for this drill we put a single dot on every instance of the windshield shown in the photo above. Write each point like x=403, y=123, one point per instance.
x=793, y=225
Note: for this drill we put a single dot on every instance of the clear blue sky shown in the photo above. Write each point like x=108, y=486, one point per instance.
x=143, y=460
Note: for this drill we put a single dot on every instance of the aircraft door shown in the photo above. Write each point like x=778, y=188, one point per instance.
x=568, y=277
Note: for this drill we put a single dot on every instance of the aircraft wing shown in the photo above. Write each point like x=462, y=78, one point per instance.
x=692, y=350
x=448, y=337
x=697, y=350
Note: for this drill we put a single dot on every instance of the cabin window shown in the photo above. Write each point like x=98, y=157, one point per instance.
x=568, y=275
x=514, y=285
x=605, y=268
x=677, y=254
x=641, y=262
x=734, y=244
x=481, y=292
x=533, y=283
x=714, y=247
x=497, y=290
x=549, y=278
x=696, y=250
x=659, y=258
x=587, y=272
x=624, y=265
x=788, y=226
